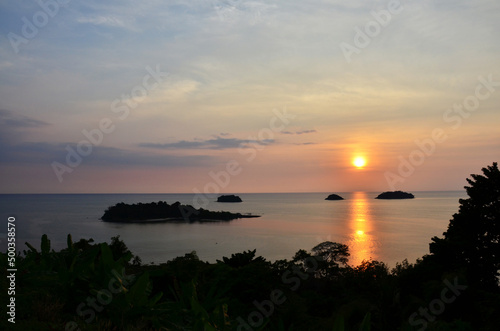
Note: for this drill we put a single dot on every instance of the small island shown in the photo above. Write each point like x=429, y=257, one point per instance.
x=161, y=211
x=229, y=198
x=334, y=197
x=395, y=195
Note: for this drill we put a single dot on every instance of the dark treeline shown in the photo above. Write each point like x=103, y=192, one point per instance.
x=90, y=286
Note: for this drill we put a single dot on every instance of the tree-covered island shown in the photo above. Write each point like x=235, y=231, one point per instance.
x=163, y=212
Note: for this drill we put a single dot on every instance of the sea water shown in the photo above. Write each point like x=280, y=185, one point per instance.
x=383, y=230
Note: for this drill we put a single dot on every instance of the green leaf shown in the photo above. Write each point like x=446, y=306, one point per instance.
x=155, y=299
x=33, y=249
x=365, y=325
x=70, y=242
x=138, y=293
x=338, y=325
x=45, y=246
x=107, y=255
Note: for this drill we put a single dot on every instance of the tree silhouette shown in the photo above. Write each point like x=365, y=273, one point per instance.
x=331, y=259
x=239, y=260
x=472, y=241
x=333, y=253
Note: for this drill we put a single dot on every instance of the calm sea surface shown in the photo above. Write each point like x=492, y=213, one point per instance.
x=384, y=230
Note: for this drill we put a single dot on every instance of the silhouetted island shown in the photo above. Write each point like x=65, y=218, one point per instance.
x=334, y=197
x=163, y=212
x=229, y=198
x=395, y=195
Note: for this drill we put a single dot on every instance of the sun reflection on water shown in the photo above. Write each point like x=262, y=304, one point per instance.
x=362, y=243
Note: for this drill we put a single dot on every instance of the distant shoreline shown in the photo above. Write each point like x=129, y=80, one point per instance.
x=178, y=220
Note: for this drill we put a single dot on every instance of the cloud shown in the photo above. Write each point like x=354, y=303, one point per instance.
x=13, y=129
x=26, y=153
x=111, y=156
x=15, y=151
x=305, y=131
x=9, y=120
x=177, y=91
x=308, y=143
x=236, y=11
x=111, y=21
x=216, y=143
x=35, y=153
x=299, y=132
x=6, y=64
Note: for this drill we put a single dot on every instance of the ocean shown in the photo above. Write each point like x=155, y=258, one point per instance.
x=383, y=230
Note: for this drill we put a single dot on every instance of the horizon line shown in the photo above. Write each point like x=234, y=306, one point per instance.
x=221, y=193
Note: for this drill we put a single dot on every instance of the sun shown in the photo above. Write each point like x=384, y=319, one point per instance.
x=359, y=162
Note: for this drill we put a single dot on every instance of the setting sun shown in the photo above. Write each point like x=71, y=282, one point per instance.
x=359, y=162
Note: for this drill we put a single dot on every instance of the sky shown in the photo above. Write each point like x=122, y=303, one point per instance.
x=242, y=96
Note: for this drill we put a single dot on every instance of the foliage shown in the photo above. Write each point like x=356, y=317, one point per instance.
x=472, y=241
x=333, y=253
x=239, y=260
x=70, y=278
x=188, y=294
